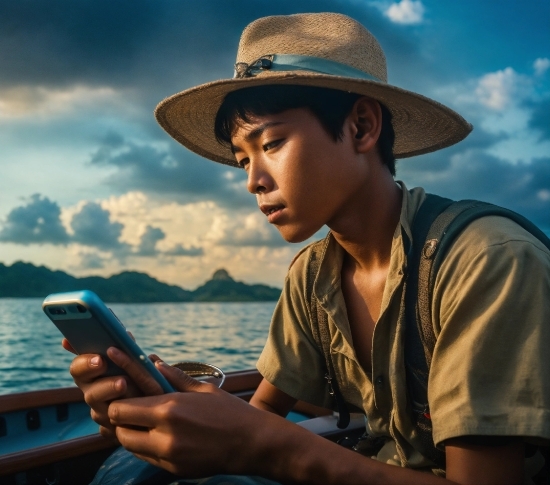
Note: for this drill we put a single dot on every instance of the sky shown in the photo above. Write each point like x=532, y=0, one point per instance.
x=91, y=185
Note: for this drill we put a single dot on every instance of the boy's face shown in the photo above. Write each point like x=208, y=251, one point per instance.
x=301, y=177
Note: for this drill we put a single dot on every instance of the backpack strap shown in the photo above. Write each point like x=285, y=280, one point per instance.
x=440, y=237
x=320, y=331
x=416, y=365
x=424, y=219
x=436, y=226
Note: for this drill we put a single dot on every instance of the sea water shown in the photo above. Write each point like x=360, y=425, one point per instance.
x=229, y=335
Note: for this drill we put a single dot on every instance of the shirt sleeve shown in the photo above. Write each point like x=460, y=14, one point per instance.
x=291, y=359
x=490, y=373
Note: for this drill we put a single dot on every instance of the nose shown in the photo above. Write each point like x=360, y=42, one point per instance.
x=259, y=180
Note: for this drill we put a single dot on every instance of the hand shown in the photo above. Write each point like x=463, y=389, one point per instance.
x=197, y=432
x=203, y=431
x=88, y=373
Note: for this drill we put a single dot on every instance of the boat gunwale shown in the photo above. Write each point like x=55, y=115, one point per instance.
x=239, y=383
x=21, y=401
x=52, y=453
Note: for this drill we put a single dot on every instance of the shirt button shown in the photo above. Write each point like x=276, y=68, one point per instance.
x=379, y=381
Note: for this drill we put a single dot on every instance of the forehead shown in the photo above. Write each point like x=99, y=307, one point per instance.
x=255, y=125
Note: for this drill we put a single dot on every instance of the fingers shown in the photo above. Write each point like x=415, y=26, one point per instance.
x=105, y=390
x=67, y=346
x=99, y=395
x=180, y=380
x=141, y=443
x=86, y=368
x=88, y=373
x=138, y=412
x=135, y=441
x=191, y=433
x=137, y=373
x=109, y=433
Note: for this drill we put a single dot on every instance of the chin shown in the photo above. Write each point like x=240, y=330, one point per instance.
x=295, y=236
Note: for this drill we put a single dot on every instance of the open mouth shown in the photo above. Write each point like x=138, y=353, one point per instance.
x=274, y=209
x=271, y=209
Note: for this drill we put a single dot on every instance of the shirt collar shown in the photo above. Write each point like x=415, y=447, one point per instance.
x=329, y=274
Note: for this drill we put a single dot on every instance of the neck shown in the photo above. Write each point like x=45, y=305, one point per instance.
x=367, y=228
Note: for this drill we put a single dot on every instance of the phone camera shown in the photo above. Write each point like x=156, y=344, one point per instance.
x=56, y=310
x=81, y=308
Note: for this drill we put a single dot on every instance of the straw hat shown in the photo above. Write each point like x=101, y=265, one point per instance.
x=322, y=49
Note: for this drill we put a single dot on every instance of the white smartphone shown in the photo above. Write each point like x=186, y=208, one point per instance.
x=91, y=328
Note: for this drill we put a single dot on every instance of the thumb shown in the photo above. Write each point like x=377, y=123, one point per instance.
x=180, y=380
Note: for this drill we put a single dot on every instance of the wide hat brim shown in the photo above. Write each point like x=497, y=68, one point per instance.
x=421, y=125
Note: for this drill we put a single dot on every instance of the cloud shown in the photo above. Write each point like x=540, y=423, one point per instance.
x=541, y=65
x=148, y=245
x=99, y=68
x=475, y=174
x=149, y=240
x=126, y=43
x=406, y=12
x=91, y=261
x=170, y=172
x=250, y=230
x=85, y=65
x=540, y=118
x=505, y=159
x=92, y=227
x=42, y=102
x=496, y=90
x=37, y=222
x=509, y=105
x=179, y=250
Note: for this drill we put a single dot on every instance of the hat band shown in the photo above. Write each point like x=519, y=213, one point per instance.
x=292, y=62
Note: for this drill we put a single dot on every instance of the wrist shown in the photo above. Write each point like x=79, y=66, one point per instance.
x=288, y=453
x=276, y=445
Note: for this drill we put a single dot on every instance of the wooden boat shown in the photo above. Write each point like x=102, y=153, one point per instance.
x=48, y=437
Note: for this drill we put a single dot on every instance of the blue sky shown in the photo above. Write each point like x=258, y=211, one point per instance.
x=91, y=185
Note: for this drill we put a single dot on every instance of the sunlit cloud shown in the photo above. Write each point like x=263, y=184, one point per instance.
x=175, y=241
x=406, y=12
x=508, y=104
x=183, y=224
x=496, y=90
x=250, y=230
x=19, y=102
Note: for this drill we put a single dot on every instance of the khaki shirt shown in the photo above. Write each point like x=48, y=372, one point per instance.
x=491, y=313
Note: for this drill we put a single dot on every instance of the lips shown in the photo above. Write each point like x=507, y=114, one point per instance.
x=269, y=209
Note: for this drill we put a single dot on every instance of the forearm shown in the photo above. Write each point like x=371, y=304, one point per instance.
x=290, y=454
x=203, y=430
x=268, y=398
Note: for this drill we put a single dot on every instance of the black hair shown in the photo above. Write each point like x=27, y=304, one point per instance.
x=330, y=106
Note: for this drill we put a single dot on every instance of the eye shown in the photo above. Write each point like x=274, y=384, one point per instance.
x=243, y=162
x=270, y=145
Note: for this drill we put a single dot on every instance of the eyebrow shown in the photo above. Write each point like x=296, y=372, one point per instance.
x=256, y=133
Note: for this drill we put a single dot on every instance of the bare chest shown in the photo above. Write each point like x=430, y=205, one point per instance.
x=363, y=293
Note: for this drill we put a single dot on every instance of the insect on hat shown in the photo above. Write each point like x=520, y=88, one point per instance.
x=326, y=50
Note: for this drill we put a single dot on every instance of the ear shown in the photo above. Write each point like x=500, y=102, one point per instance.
x=365, y=123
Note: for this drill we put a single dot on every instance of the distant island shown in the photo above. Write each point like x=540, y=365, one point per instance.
x=25, y=280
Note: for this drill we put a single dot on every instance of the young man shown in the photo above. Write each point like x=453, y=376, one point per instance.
x=311, y=119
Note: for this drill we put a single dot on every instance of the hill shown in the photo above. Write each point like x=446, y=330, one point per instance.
x=224, y=288
x=27, y=280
